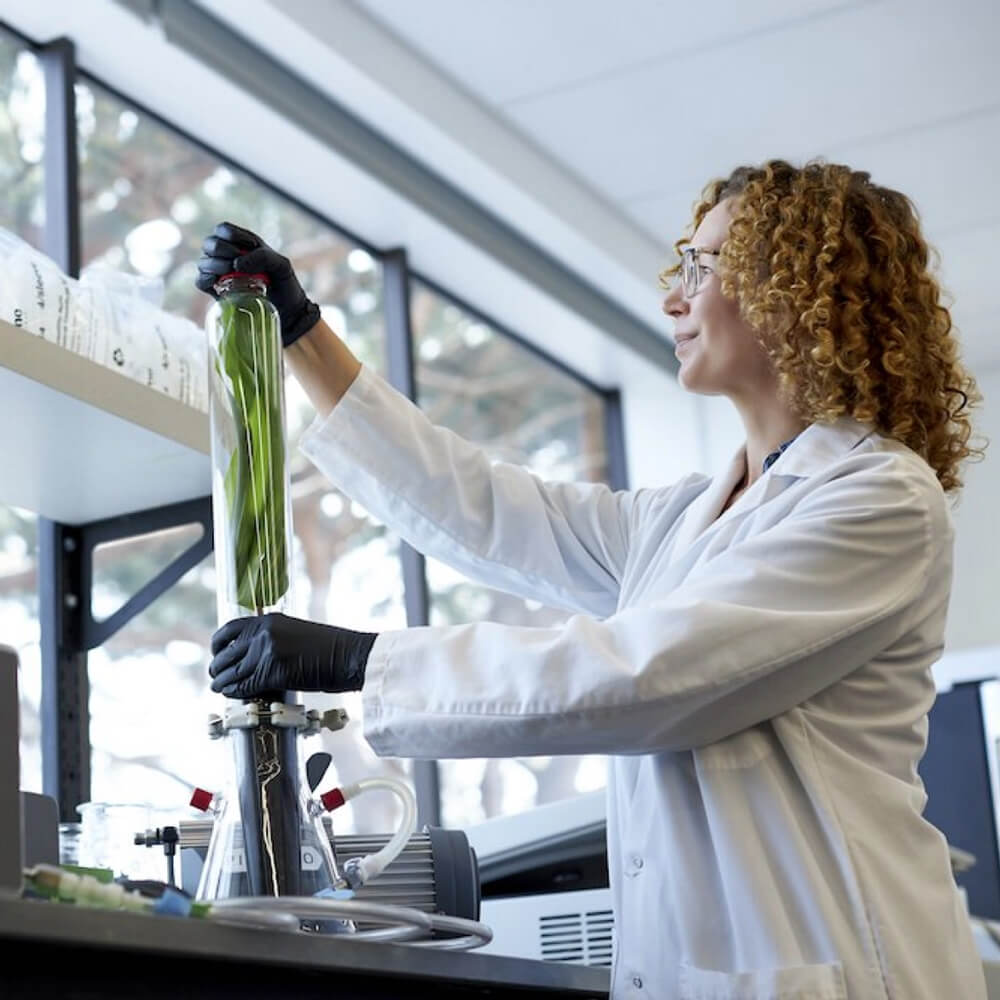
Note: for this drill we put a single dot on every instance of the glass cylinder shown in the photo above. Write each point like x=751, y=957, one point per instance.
x=251, y=497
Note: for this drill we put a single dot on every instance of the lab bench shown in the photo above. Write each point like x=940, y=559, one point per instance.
x=57, y=950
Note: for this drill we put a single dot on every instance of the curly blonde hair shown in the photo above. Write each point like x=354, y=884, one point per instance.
x=831, y=272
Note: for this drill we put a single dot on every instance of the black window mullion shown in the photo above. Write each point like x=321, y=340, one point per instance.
x=614, y=437
x=65, y=716
x=62, y=190
x=399, y=344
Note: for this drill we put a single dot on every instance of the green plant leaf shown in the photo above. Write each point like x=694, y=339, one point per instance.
x=250, y=353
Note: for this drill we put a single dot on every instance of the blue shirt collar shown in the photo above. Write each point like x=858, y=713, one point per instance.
x=775, y=455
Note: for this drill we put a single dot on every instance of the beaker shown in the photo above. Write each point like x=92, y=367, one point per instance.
x=107, y=838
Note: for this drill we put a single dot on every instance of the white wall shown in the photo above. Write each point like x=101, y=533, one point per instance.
x=664, y=427
x=974, y=613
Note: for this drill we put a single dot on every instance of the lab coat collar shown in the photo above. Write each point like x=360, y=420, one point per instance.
x=819, y=445
x=814, y=449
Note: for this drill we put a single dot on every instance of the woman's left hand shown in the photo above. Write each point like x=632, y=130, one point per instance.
x=274, y=652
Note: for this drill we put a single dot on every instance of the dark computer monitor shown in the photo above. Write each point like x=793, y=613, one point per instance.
x=956, y=773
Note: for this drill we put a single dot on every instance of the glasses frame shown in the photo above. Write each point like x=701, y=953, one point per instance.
x=691, y=275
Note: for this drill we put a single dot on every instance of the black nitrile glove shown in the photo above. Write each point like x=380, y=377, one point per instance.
x=232, y=248
x=274, y=652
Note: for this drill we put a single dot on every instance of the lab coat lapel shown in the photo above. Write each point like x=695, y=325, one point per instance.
x=705, y=508
x=817, y=446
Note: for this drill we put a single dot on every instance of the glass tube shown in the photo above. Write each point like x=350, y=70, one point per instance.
x=251, y=496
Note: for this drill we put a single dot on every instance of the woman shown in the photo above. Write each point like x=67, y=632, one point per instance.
x=753, y=650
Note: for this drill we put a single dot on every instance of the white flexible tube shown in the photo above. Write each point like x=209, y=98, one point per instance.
x=409, y=923
x=372, y=865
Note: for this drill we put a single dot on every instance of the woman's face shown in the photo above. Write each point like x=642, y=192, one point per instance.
x=723, y=356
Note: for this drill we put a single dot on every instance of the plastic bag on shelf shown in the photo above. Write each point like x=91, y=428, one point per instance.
x=109, y=317
x=152, y=346
x=36, y=296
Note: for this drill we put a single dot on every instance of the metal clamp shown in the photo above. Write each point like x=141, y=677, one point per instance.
x=278, y=714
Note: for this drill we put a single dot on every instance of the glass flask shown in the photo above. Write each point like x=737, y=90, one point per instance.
x=268, y=838
x=251, y=497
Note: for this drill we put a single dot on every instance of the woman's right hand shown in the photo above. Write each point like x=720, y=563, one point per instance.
x=232, y=248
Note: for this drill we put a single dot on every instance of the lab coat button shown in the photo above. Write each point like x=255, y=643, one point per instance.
x=637, y=982
x=636, y=861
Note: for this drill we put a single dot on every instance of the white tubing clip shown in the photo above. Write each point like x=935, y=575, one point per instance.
x=241, y=716
x=289, y=716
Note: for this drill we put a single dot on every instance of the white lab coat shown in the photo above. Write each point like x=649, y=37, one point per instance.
x=762, y=680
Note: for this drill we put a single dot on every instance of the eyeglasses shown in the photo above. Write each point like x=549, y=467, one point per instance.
x=692, y=271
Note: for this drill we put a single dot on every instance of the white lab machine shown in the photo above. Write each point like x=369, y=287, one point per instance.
x=544, y=878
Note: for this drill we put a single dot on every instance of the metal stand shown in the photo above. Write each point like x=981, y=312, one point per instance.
x=68, y=629
x=10, y=777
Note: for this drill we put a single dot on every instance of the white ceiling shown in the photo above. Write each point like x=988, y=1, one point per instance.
x=645, y=100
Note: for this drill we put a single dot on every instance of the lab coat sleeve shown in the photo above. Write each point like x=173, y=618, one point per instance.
x=564, y=544
x=757, y=630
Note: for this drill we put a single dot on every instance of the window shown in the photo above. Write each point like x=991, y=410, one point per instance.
x=479, y=382
x=19, y=630
x=148, y=198
x=149, y=701
x=22, y=141
x=22, y=211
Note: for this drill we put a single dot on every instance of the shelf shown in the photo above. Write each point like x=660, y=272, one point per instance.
x=80, y=442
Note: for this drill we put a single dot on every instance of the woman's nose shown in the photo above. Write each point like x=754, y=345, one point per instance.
x=675, y=304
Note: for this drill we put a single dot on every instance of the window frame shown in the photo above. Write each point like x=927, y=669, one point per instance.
x=65, y=716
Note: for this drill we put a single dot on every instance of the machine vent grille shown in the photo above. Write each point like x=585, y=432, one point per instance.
x=577, y=937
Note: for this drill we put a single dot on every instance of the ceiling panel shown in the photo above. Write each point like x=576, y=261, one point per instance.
x=946, y=169
x=633, y=136
x=507, y=51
